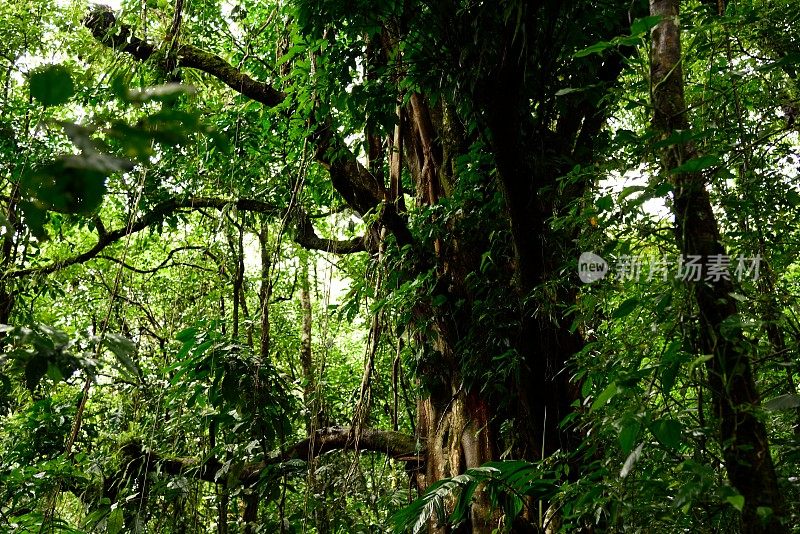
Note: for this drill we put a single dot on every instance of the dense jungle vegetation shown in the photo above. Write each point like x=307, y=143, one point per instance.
x=396, y=266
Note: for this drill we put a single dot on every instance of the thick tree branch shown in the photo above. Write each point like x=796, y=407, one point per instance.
x=396, y=445
x=305, y=235
x=103, y=24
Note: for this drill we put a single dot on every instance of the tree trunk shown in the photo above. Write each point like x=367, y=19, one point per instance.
x=306, y=357
x=265, y=290
x=742, y=435
x=461, y=425
x=310, y=397
x=250, y=514
x=8, y=256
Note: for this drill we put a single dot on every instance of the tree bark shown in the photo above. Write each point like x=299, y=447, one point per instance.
x=265, y=290
x=735, y=399
x=306, y=357
x=311, y=397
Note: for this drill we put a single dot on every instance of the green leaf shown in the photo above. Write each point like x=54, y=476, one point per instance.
x=119, y=344
x=668, y=432
x=681, y=137
x=631, y=189
x=605, y=396
x=668, y=376
x=596, y=48
x=783, y=402
x=625, y=308
x=35, y=219
x=54, y=373
x=438, y=300
x=644, y=24
x=568, y=90
x=35, y=371
x=461, y=510
x=763, y=512
x=230, y=387
x=71, y=184
x=793, y=198
x=738, y=296
x=605, y=203
x=697, y=164
x=626, y=40
x=122, y=348
x=632, y=458
x=187, y=335
x=662, y=189
x=416, y=515
x=115, y=521
x=737, y=501
x=790, y=59
x=512, y=506
x=202, y=347
x=52, y=85
x=697, y=361
x=628, y=434
x=586, y=388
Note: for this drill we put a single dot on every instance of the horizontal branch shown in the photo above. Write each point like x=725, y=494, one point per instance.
x=102, y=22
x=396, y=445
x=150, y=270
x=306, y=237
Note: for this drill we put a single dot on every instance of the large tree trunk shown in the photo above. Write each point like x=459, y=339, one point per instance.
x=461, y=426
x=742, y=435
x=526, y=169
x=533, y=150
x=455, y=423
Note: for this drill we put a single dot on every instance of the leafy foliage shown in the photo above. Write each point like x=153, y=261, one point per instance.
x=509, y=485
x=172, y=359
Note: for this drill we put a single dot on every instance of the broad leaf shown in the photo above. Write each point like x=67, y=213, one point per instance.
x=783, y=402
x=52, y=85
x=698, y=164
x=624, y=309
x=628, y=434
x=668, y=432
x=605, y=396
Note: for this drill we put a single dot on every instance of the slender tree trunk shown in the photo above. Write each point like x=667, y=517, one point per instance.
x=306, y=357
x=8, y=255
x=266, y=289
x=223, y=501
x=221, y=490
x=735, y=399
x=250, y=514
x=237, y=249
x=310, y=395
